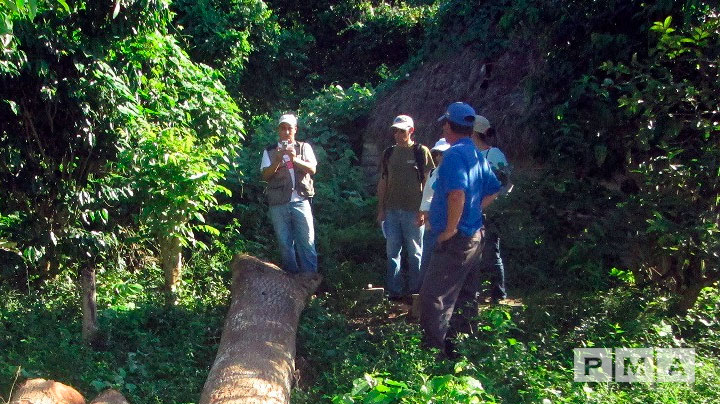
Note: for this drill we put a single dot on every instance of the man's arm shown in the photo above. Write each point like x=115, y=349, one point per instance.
x=429, y=163
x=456, y=203
x=309, y=167
x=309, y=164
x=487, y=200
x=270, y=170
x=381, y=190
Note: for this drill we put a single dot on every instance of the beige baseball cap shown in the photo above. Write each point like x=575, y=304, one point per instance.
x=481, y=124
x=289, y=119
x=403, y=122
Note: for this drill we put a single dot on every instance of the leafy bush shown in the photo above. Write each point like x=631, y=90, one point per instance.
x=448, y=388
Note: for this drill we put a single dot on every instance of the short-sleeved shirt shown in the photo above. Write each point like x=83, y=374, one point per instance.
x=404, y=190
x=306, y=154
x=499, y=164
x=463, y=168
x=496, y=158
x=428, y=191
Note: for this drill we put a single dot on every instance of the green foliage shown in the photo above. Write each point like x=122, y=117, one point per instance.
x=107, y=111
x=672, y=101
x=185, y=127
x=353, y=39
x=649, y=124
x=263, y=63
x=142, y=356
x=448, y=388
x=275, y=54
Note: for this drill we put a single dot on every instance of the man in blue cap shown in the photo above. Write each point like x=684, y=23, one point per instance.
x=464, y=186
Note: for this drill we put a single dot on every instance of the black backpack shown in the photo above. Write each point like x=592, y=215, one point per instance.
x=419, y=161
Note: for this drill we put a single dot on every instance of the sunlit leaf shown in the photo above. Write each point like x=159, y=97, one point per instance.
x=64, y=4
x=116, y=10
x=32, y=9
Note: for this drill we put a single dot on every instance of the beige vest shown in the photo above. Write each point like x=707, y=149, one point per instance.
x=280, y=186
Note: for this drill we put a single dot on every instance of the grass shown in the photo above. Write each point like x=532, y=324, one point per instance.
x=348, y=351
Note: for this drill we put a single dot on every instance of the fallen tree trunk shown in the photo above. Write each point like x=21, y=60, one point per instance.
x=255, y=360
x=110, y=396
x=41, y=391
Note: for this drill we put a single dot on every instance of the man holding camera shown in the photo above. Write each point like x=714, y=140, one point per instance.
x=288, y=168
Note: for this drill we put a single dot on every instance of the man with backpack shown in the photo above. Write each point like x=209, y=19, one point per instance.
x=288, y=167
x=491, y=262
x=403, y=169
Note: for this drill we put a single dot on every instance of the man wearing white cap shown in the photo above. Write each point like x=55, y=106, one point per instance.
x=288, y=167
x=403, y=170
x=491, y=262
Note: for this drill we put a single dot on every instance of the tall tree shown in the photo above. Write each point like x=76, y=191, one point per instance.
x=92, y=101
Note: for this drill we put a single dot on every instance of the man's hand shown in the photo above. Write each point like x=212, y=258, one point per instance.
x=291, y=153
x=278, y=158
x=422, y=220
x=446, y=235
x=381, y=216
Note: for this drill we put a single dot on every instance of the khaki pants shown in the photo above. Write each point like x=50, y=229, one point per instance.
x=451, y=282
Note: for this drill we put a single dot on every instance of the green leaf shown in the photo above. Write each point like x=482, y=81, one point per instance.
x=667, y=21
x=32, y=9
x=65, y=5
x=198, y=175
x=13, y=107
x=116, y=10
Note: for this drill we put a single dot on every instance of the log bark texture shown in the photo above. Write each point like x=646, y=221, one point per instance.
x=255, y=360
x=110, y=396
x=41, y=391
x=89, y=304
x=171, y=263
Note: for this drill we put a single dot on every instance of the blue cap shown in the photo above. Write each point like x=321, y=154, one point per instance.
x=459, y=113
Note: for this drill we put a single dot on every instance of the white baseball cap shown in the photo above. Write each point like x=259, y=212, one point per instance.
x=289, y=119
x=403, y=122
x=441, y=145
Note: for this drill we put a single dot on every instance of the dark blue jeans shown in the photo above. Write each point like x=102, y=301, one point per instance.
x=491, y=265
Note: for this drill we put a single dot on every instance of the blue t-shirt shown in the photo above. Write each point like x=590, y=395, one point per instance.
x=463, y=168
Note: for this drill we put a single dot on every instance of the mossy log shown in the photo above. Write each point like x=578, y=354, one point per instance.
x=255, y=360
